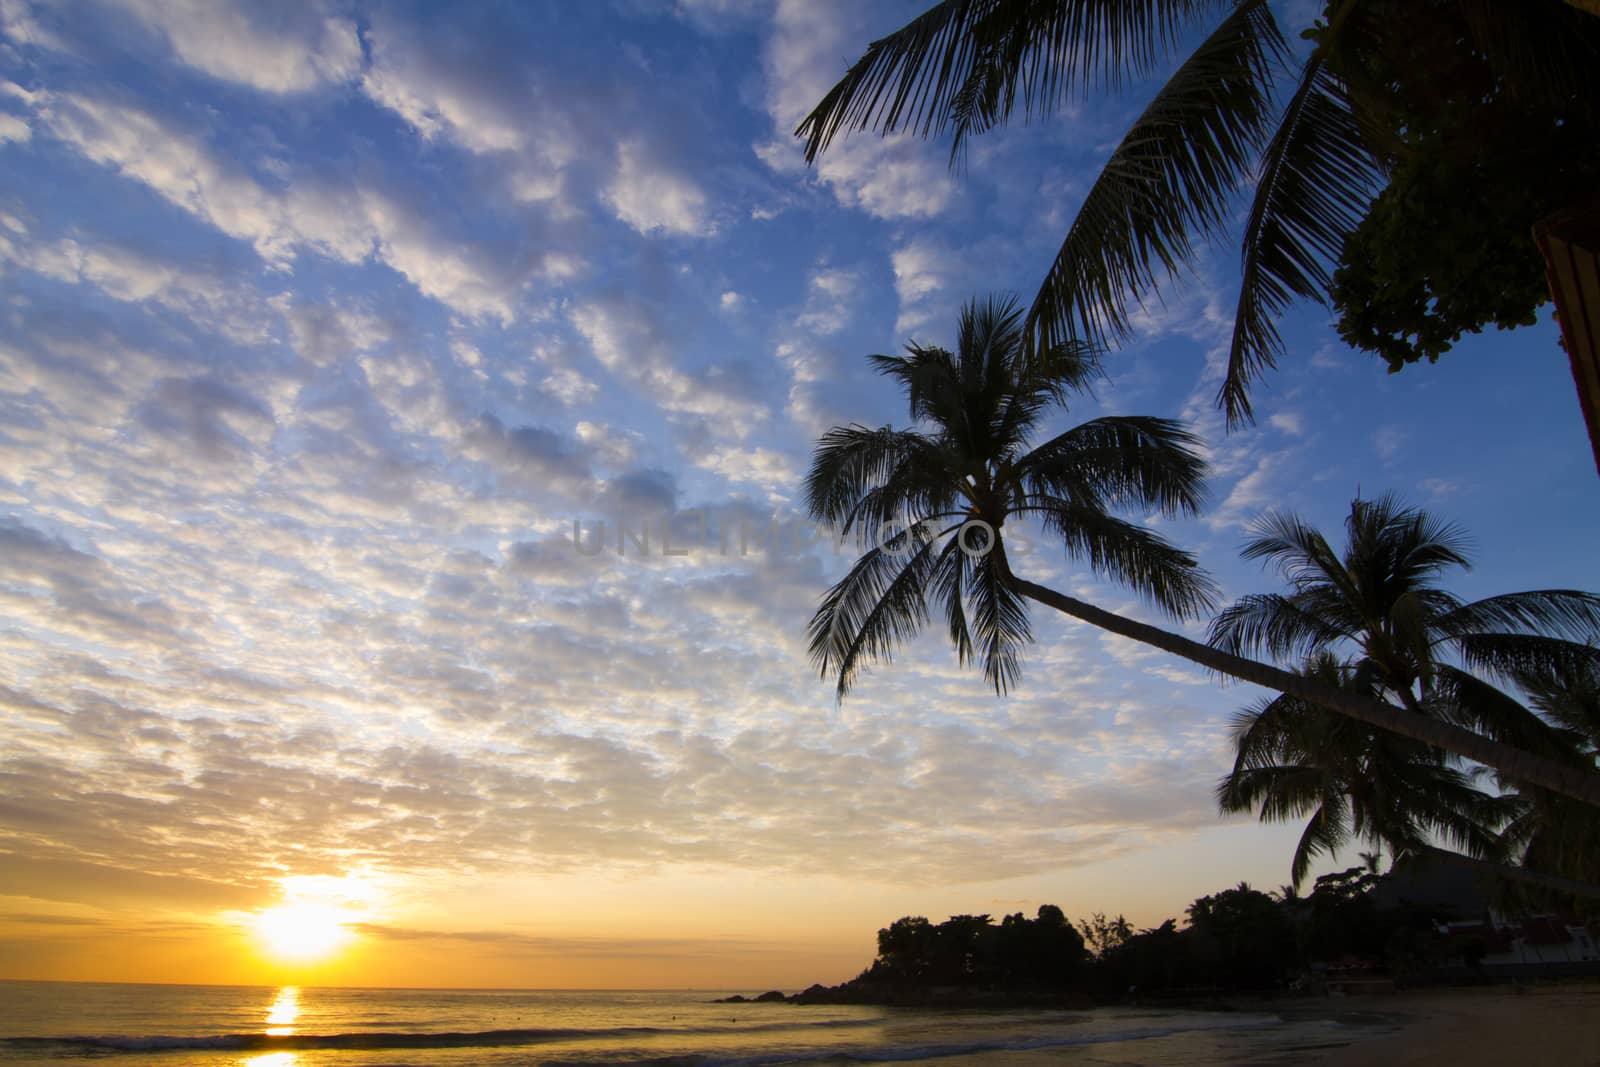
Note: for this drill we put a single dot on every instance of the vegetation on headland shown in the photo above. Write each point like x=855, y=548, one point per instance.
x=1238, y=941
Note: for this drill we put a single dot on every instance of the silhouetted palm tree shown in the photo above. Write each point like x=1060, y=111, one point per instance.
x=1551, y=833
x=1379, y=602
x=1316, y=156
x=1295, y=760
x=932, y=504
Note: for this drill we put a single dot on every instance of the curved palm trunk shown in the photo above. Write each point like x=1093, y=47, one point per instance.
x=1576, y=782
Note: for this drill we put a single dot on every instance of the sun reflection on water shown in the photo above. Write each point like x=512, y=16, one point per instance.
x=280, y=1020
x=273, y=1059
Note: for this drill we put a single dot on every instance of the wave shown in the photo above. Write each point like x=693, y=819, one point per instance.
x=794, y=1053
x=395, y=1039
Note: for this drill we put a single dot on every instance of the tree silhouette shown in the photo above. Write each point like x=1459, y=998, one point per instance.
x=1364, y=104
x=930, y=506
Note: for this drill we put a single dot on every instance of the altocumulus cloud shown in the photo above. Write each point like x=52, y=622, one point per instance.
x=324, y=324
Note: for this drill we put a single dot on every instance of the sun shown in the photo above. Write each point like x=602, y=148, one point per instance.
x=302, y=931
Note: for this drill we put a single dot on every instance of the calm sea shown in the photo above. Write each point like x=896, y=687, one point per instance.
x=215, y=1026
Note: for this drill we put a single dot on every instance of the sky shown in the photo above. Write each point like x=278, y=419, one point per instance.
x=326, y=326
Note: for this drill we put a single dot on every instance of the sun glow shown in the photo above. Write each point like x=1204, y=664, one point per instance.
x=303, y=931
x=316, y=916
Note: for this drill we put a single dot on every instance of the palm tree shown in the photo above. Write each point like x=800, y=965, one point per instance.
x=1380, y=601
x=1295, y=760
x=1550, y=832
x=1315, y=157
x=931, y=504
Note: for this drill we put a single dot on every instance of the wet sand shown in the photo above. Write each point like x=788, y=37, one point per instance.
x=1543, y=1025
x=1549, y=1026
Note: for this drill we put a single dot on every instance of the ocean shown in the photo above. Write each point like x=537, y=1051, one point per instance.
x=225, y=1026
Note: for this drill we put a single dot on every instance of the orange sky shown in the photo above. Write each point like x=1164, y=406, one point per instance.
x=709, y=930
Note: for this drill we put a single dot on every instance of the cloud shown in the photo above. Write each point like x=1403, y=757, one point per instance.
x=829, y=295
x=1388, y=441
x=344, y=221
x=326, y=332
x=443, y=90
x=893, y=177
x=1290, y=422
x=920, y=274
x=545, y=946
x=540, y=129
x=569, y=387
x=133, y=276
x=293, y=587
x=532, y=457
x=1249, y=496
x=652, y=197
x=215, y=420
x=770, y=470
x=612, y=445
x=629, y=340
x=14, y=128
x=278, y=48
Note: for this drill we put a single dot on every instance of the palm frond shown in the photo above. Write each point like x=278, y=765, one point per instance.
x=1132, y=555
x=1170, y=179
x=876, y=607
x=1569, y=697
x=962, y=64
x=1421, y=545
x=1120, y=461
x=1325, y=834
x=947, y=585
x=930, y=378
x=1275, y=624
x=1514, y=656
x=1280, y=791
x=1315, y=178
x=1297, y=549
x=999, y=618
x=1566, y=613
x=851, y=461
x=1043, y=382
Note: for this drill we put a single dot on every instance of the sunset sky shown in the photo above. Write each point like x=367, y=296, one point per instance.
x=323, y=324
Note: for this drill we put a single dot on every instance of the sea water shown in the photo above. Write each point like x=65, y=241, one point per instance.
x=228, y=1026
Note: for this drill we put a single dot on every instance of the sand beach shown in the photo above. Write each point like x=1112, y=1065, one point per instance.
x=1551, y=1026
x=1543, y=1025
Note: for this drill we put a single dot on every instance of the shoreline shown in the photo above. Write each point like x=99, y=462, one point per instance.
x=1551, y=1026
x=1555, y=1025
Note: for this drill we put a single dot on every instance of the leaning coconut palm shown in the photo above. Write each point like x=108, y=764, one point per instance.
x=1316, y=153
x=1379, y=602
x=932, y=503
x=1353, y=783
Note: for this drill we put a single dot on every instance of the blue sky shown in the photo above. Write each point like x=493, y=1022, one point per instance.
x=324, y=323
